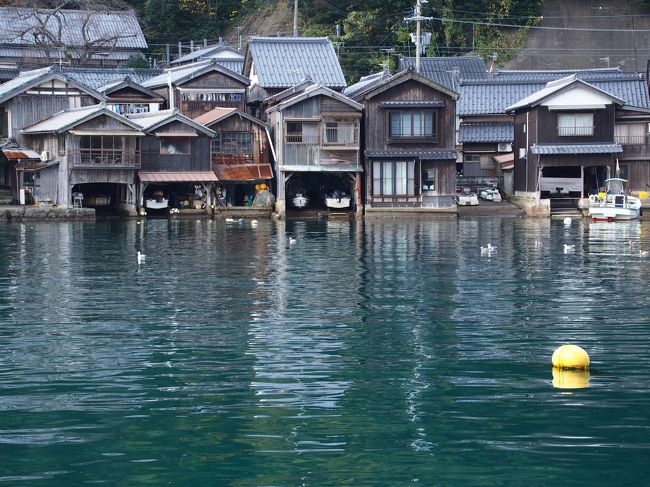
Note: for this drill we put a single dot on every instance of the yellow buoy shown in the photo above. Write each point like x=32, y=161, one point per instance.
x=570, y=379
x=643, y=194
x=257, y=187
x=570, y=357
x=263, y=186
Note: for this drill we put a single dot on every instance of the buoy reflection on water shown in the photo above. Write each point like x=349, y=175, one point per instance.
x=570, y=378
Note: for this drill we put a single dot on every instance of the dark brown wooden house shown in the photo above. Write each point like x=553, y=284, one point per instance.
x=564, y=144
x=240, y=156
x=176, y=165
x=410, y=156
x=199, y=87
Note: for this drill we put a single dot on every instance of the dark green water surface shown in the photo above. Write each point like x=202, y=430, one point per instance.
x=383, y=352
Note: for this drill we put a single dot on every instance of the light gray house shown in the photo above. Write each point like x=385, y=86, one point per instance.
x=316, y=133
x=89, y=156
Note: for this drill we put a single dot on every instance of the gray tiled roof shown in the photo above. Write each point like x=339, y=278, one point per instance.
x=442, y=69
x=181, y=74
x=439, y=155
x=486, y=132
x=412, y=104
x=66, y=119
x=281, y=62
x=122, y=26
x=98, y=77
x=26, y=79
x=576, y=148
x=366, y=81
x=546, y=75
x=494, y=96
x=220, y=52
x=38, y=53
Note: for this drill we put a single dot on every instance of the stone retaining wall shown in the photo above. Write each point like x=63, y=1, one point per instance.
x=41, y=213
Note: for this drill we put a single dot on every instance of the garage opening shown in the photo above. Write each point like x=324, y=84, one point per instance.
x=320, y=191
x=104, y=197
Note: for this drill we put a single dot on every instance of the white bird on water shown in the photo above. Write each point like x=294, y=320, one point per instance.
x=643, y=253
x=141, y=257
x=292, y=240
x=569, y=248
x=488, y=250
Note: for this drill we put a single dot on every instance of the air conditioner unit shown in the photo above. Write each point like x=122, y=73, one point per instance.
x=504, y=147
x=46, y=156
x=522, y=153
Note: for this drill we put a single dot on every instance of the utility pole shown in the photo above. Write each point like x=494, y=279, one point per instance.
x=295, y=18
x=418, y=39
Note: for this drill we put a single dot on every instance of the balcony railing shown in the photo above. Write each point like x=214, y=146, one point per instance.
x=103, y=158
x=341, y=135
x=631, y=139
x=579, y=131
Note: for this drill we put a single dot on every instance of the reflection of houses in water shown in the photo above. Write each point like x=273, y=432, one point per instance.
x=297, y=358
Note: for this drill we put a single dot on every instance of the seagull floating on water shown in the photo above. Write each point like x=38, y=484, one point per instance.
x=141, y=257
x=292, y=240
x=569, y=248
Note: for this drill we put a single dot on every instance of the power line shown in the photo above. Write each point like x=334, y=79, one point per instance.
x=536, y=27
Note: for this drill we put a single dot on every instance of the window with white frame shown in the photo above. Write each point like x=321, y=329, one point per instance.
x=575, y=124
x=393, y=178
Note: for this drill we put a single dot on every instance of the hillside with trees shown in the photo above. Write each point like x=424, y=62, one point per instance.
x=368, y=34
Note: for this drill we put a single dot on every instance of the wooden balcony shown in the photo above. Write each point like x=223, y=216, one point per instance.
x=105, y=158
x=634, y=146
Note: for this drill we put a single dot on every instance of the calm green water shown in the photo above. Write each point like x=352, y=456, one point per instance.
x=382, y=352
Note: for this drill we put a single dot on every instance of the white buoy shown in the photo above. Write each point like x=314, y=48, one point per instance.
x=567, y=221
x=141, y=257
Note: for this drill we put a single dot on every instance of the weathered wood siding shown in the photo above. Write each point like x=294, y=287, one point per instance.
x=197, y=160
x=27, y=110
x=130, y=95
x=261, y=149
x=377, y=119
x=638, y=174
x=213, y=80
x=547, y=126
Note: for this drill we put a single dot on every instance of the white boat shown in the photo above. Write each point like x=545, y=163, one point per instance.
x=490, y=194
x=300, y=200
x=337, y=200
x=614, y=203
x=466, y=197
x=156, y=203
